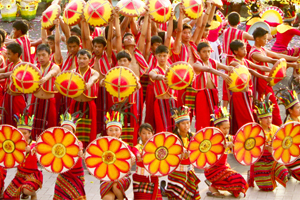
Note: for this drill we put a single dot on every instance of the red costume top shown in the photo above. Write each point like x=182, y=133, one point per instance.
x=152, y=61
x=9, y=83
x=68, y=64
x=200, y=80
x=93, y=91
x=231, y=34
x=104, y=64
x=141, y=61
x=25, y=45
x=285, y=33
x=48, y=86
x=183, y=55
x=262, y=51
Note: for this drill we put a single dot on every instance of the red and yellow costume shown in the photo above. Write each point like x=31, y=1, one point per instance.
x=26, y=53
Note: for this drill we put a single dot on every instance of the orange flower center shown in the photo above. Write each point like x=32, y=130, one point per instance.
x=8, y=146
x=59, y=150
x=287, y=142
x=109, y=157
x=249, y=144
x=205, y=146
x=161, y=153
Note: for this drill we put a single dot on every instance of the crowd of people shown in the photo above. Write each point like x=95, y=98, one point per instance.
x=148, y=49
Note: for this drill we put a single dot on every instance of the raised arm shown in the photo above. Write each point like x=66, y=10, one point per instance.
x=65, y=29
x=124, y=25
x=57, y=54
x=44, y=35
x=85, y=35
x=197, y=36
x=148, y=41
x=109, y=47
x=141, y=44
x=133, y=26
x=169, y=30
x=118, y=31
x=177, y=42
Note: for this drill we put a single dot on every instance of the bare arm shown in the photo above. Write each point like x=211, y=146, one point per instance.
x=201, y=27
x=109, y=38
x=44, y=35
x=124, y=25
x=169, y=30
x=154, y=29
x=65, y=29
x=259, y=75
x=5, y=75
x=57, y=54
x=52, y=73
x=118, y=31
x=259, y=67
x=177, y=43
x=141, y=44
x=225, y=67
x=93, y=79
x=154, y=76
x=247, y=36
x=261, y=58
x=279, y=55
x=148, y=41
x=85, y=35
x=133, y=26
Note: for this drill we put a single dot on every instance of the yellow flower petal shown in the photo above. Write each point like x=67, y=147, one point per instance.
x=47, y=159
x=9, y=160
x=122, y=165
x=48, y=138
x=280, y=134
x=219, y=148
x=150, y=147
x=123, y=154
x=211, y=157
x=68, y=140
x=259, y=141
x=208, y=134
x=2, y=153
x=238, y=146
x=255, y=152
x=148, y=158
x=194, y=155
x=93, y=161
x=159, y=140
x=2, y=138
x=276, y=144
x=216, y=139
x=295, y=131
x=255, y=131
x=199, y=137
x=57, y=165
x=170, y=141
x=94, y=150
x=72, y=150
x=201, y=160
x=153, y=168
x=68, y=161
x=286, y=156
x=172, y=160
x=113, y=172
x=16, y=136
x=101, y=171
x=114, y=145
x=175, y=149
x=296, y=139
x=164, y=168
x=247, y=130
x=58, y=135
x=103, y=144
x=288, y=128
x=240, y=155
x=21, y=145
x=18, y=156
x=294, y=150
x=43, y=148
x=278, y=153
x=240, y=137
x=194, y=145
x=248, y=158
x=7, y=132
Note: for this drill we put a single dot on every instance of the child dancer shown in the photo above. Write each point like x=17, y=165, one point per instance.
x=221, y=175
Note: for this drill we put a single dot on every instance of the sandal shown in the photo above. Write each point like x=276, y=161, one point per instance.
x=215, y=194
x=208, y=183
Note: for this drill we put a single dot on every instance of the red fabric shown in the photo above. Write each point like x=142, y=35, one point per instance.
x=163, y=120
x=26, y=53
x=231, y=34
x=102, y=108
x=3, y=173
x=155, y=195
x=206, y=100
x=283, y=39
x=240, y=110
x=213, y=35
x=150, y=99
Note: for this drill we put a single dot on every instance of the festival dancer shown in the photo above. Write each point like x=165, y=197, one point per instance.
x=183, y=182
x=165, y=96
x=220, y=175
x=44, y=101
x=13, y=101
x=70, y=184
x=115, y=189
x=206, y=84
x=289, y=99
x=241, y=102
x=28, y=178
x=145, y=186
x=261, y=56
x=87, y=126
x=73, y=46
x=266, y=171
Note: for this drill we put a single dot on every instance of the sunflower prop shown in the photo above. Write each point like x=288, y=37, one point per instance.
x=278, y=72
x=73, y=11
x=193, y=8
x=131, y=8
x=240, y=78
x=160, y=10
x=97, y=12
x=49, y=15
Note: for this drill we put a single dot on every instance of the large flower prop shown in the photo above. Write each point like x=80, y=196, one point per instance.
x=97, y=12
x=286, y=143
x=207, y=147
x=108, y=158
x=273, y=14
x=160, y=10
x=49, y=15
x=162, y=154
x=249, y=143
x=73, y=11
x=193, y=8
x=240, y=78
x=57, y=150
x=278, y=72
x=131, y=8
x=12, y=146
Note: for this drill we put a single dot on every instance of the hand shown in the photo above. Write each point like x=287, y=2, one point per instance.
x=42, y=80
x=208, y=3
x=229, y=145
x=115, y=12
x=160, y=77
x=80, y=154
x=268, y=79
x=56, y=22
x=102, y=83
x=27, y=149
x=165, y=80
x=139, y=158
x=181, y=8
x=269, y=148
x=270, y=37
x=230, y=68
x=226, y=78
x=88, y=86
x=2, y=76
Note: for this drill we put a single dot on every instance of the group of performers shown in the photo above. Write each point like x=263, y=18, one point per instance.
x=148, y=49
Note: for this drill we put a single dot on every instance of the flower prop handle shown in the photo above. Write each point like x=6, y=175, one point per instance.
x=249, y=143
x=286, y=143
x=206, y=147
x=57, y=150
x=162, y=154
x=12, y=146
x=108, y=158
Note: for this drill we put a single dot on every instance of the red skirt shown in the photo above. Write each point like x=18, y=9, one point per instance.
x=123, y=185
x=150, y=99
x=162, y=110
x=145, y=187
x=3, y=173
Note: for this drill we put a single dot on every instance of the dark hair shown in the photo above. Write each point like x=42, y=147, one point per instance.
x=259, y=32
x=287, y=113
x=51, y=29
x=175, y=24
x=156, y=39
x=234, y=18
x=92, y=28
x=207, y=25
x=44, y=47
x=162, y=34
x=186, y=26
x=84, y=52
x=202, y=45
x=76, y=30
x=124, y=54
x=176, y=132
x=15, y=48
x=21, y=25
x=74, y=39
x=140, y=19
x=126, y=34
x=3, y=34
x=235, y=45
x=162, y=49
x=99, y=40
x=147, y=127
x=51, y=37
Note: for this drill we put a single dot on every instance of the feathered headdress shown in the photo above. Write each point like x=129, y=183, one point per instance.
x=220, y=115
x=288, y=98
x=264, y=108
x=180, y=114
x=24, y=121
x=290, y=12
x=70, y=119
x=114, y=119
x=254, y=8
